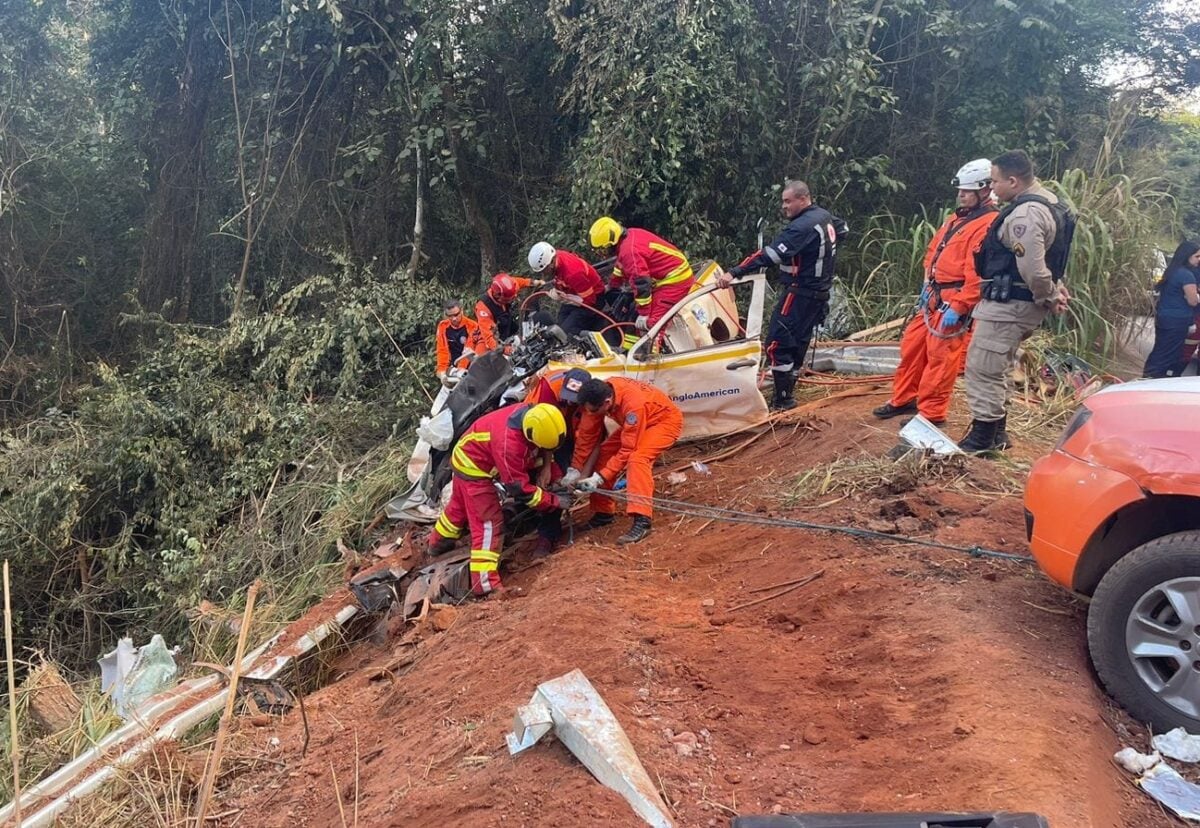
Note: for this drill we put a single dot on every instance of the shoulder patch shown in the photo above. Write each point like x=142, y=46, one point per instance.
x=781, y=247
x=631, y=419
x=831, y=232
x=1018, y=230
x=1018, y=249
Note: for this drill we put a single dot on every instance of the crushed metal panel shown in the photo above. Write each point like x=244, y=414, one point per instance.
x=377, y=590
x=583, y=722
x=867, y=358
x=447, y=580
x=268, y=696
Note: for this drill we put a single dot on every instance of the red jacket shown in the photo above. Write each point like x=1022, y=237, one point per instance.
x=954, y=261
x=636, y=407
x=491, y=329
x=495, y=447
x=577, y=277
x=640, y=253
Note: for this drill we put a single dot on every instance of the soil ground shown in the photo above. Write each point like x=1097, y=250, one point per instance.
x=903, y=679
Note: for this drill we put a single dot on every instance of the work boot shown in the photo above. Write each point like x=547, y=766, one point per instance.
x=638, y=531
x=599, y=521
x=981, y=439
x=785, y=387
x=544, y=547
x=1002, y=442
x=887, y=410
x=440, y=546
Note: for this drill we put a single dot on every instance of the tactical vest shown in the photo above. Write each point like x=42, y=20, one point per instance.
x=506, y=319
x=997, y=265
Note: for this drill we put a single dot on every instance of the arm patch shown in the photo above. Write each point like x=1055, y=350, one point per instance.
x=631, y=419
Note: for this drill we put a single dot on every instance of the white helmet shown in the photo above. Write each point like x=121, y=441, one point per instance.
x=973, y=175
x=540, y=255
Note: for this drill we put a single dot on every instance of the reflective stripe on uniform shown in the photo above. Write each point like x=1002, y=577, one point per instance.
x=642, y=300
x=463, y=464
x=629, y=340
x=484, y=561
x=447, y=528
x=681, y=272
x=538, y=496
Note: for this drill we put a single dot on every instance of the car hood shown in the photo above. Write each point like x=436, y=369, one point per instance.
x=1148, y=430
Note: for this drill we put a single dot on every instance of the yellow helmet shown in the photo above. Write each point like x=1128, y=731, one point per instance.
x=544, y=426
x=605, y=232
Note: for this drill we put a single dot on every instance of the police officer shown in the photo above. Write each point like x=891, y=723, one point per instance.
x=1021, y=264
x=806, y=254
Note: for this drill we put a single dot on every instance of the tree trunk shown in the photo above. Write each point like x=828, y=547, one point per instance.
x=470, y=200
x=167, y=270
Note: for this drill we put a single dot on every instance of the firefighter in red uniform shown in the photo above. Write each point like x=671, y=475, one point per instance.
x=657, y=270
x=933, y=346
x=454, y=341
x=503, y=446
x=648, y=424
x=577, y=286
x=496, y=311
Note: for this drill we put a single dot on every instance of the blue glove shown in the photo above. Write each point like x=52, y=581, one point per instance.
x=950, y=318
x=924, y=297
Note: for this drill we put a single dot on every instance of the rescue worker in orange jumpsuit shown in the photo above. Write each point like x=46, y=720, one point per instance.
x=577, y=286
x=657, y=270
x=502, y=446
x=496, y=311
x=454, y=341
x=648, y=424
x=934, y=344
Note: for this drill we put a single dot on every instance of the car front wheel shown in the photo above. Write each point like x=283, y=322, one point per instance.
x=1144, y=632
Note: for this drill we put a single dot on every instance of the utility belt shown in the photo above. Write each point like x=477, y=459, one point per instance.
x=806, y=291
x=1006, y=287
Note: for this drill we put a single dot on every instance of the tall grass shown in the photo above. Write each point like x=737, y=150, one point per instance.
x=883, y=268
x=1124, y=220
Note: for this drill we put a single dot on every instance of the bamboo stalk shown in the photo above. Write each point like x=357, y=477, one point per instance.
x=14, y=750
x=212, y=769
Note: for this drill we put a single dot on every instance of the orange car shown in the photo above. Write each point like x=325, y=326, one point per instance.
x=1113, y=513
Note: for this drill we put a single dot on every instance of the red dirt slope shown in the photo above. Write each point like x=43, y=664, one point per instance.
x=903, y=679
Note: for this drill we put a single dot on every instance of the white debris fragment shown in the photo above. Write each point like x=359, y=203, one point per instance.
x=134, y=674
x=1135, y=762
x=1165, y=784
x=570, y=706
x=1178, y=744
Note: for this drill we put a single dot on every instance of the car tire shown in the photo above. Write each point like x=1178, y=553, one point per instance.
x=1140, y=609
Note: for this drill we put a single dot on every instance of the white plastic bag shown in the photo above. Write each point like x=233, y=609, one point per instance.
x=1178, y=744
x=135, y=674
x=437, y=430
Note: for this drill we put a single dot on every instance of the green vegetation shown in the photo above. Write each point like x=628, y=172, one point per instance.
x=228, y=228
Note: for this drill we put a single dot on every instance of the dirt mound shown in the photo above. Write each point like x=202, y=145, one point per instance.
x=902, y=679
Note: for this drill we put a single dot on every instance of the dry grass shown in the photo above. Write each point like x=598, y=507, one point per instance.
x=868, y=474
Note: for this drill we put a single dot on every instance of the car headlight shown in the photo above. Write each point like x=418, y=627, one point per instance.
x=1081, y=416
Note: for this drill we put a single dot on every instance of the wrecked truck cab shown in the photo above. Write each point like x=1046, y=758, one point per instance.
x=704, y=353
x=706, y=359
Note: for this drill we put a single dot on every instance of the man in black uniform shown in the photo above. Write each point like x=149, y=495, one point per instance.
x=806, y=254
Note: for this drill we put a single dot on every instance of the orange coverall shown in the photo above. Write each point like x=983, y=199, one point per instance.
x=649, y=424
x=931, y=359
x=453, y=341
